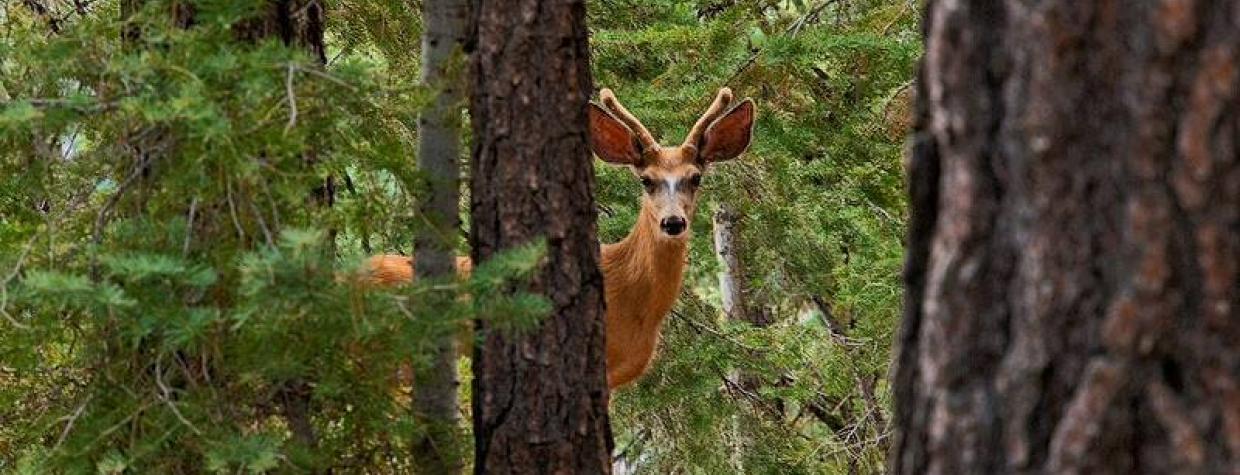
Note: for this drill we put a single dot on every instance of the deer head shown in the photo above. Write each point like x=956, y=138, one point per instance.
x=671, y=175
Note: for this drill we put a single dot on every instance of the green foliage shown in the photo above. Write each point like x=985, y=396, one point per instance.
x=175, y=291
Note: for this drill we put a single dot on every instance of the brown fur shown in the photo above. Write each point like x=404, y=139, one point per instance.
x=642, y=273
x=392, y=269
x=388, y=270
x=641, y=276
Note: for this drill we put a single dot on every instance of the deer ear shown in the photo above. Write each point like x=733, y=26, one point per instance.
x=729, y=136
x=610, y=139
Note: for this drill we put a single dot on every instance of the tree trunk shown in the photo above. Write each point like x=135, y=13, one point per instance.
x=439, y=135
x=298, y=23
x=733, y=283
x=1072, y=296
x=540, y=397
x=732, y=294
x=740, y=305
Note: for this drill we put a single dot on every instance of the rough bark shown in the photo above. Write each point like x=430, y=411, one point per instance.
x=540, y=398
x=439, y=135
x=1071, y=272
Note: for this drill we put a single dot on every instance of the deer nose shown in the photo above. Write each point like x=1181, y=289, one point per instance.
x=673, y=226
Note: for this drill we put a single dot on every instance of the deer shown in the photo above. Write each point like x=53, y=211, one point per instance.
x=642, y=273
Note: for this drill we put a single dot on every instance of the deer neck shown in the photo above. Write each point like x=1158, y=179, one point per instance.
x=643, y=273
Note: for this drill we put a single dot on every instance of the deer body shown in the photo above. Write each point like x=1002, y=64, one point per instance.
x=641, y=279
x=642, y=273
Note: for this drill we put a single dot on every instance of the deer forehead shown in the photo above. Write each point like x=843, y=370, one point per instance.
x=669, y=171
x=671, y=162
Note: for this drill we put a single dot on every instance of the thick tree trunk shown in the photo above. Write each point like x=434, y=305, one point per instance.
x=1072, y=299
x=439, y=135
x=540, y=398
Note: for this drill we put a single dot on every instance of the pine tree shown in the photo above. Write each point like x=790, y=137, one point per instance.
x=1071, y=274
x=176, y=296
x=540, y=398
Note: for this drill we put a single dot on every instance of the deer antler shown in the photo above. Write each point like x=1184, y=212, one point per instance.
x=613, y=104
x=716, y=109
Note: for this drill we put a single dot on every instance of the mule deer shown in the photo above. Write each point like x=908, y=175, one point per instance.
x=642, y=273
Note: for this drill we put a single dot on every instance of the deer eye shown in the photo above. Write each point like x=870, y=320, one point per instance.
x=648, y=184
x=695, y=180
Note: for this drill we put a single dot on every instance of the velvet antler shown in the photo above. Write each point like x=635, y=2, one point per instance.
x=613, y=105
x=716, y=109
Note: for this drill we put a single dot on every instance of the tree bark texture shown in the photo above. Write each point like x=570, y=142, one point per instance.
x=439, y=133
x=1074, y=236
x=540, y=398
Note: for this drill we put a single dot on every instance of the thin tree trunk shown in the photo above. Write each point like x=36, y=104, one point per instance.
x=439, y=135
x=1072, y=301
x=730, y=277
x=739, y=307
x=732, y=293
x=733, y=283
x=540, y=397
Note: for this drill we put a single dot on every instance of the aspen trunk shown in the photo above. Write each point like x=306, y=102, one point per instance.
x=1072, y=300
x=737, y=300
x=732, y=298
x=731, y=279
x=540, y=397
x=439, y=135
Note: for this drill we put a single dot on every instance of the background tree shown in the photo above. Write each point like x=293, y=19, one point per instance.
x=439, y=137
x=1072, y=277
x=540, y=399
